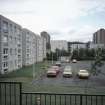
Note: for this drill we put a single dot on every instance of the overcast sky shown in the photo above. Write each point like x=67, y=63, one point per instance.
x=72, y=20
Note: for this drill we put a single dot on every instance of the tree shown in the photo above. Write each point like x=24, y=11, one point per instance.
x=95, y=66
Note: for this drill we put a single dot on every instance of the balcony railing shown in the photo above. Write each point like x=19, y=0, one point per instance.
x=11, y=94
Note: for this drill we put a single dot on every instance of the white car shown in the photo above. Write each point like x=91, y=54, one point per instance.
x=74, y=60
x=83, y=74
x=58, y=63
x=67, y=71
x=67, y=61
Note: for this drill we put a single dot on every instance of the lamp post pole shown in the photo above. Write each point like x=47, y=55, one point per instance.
x=34, y=58
x=33, y=69
x=52, y=57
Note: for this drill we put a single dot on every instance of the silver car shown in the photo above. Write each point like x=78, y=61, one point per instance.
x=67, y=71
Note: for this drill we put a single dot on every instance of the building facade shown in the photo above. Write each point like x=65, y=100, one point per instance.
x=19, y=46
x=99, y=37
x=59, y=44
x=10, y=45
x=29, y=47
x=39, y=49
x=33, y=48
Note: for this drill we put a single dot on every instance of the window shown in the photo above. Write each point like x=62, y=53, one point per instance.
x=5, y=39
x=11, y=51
x=11, y=63
x=10, y=38
x=15, y=39
x=11, y=29
x=5, y=51
x=19, y=50
x=18, y=31
x=5, y=70
x=15, y=29
x=5, y=57
x=5, y=26
x=19, y=45
x=5, y=64
x=15, y=63
x=15, y=51
x=28, y=50
x=27, y=55
x=19, y=56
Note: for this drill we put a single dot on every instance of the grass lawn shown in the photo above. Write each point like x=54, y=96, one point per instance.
x=25, y=74
x=28, y=71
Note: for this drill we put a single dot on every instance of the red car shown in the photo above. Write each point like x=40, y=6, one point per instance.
x=56, y=68
x=51, y=73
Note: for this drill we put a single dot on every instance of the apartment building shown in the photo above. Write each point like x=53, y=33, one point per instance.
x=10, y=45
x=33, y=48
x=29, y=47
x=46, y=37
x=99, y=37
x=41, y=48
x=59, y=44
x=44, y=47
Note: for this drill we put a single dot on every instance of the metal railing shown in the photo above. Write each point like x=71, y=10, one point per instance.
x=62, y=99
x=11, y=94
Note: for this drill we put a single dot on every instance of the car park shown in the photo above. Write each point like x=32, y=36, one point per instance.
x=83, y=74
x=67, y=71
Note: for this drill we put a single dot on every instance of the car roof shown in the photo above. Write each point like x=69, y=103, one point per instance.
x=67, y=67
x=54, y=66
x=51, y=71
x=82, y=70
x=58, y=62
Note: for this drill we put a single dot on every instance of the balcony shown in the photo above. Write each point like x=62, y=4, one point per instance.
x=5, y=58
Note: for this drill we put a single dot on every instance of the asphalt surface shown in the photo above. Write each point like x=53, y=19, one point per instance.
x=93, y=81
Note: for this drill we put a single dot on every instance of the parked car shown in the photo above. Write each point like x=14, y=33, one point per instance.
x=51, y=73
x=58, y=63
x=56, y=68
x=83, y=74
x=74, y=61
x=67, y=71
x=67, y=60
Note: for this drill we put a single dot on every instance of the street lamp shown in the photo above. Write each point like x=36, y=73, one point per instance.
x=52, y=57
x=33, y=68
x=34, y=57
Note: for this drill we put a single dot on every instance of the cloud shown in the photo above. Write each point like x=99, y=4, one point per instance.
x=55, y=33
x=59, y=17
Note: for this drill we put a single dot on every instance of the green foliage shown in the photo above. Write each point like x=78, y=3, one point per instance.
x=57, y=54
x=83, y=54
x=95, y=66
x=91, y=54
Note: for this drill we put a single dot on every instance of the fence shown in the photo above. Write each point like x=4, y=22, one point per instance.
x=11, y=94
